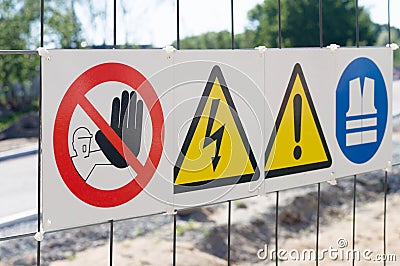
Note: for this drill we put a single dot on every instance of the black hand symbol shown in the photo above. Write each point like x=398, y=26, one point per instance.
x=129, y=125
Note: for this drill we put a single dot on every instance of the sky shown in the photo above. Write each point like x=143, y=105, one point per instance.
x=154, y=21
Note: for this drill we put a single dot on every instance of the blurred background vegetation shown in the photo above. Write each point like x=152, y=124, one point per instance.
x=300, y=27
x=20, y=30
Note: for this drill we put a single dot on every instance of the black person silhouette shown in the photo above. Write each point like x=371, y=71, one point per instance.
x=129, y=124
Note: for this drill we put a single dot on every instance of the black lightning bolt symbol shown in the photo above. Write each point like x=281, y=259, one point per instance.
x=216, y=136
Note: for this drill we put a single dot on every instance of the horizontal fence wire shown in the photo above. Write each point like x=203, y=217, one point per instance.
x=15, y=52
x=14, y=237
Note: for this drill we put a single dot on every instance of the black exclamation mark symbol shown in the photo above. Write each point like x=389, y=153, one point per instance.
x=297, y=103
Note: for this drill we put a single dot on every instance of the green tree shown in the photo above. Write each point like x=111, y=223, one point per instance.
x=383, y=39
x=20, y=24
x=209, y=40
x=300, y=26
x=300, y=23
x=218, y=40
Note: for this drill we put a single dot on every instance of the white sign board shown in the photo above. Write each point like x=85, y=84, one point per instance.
x=333, y=114
x=127, y=133
x=219, y=119
x=103, y=140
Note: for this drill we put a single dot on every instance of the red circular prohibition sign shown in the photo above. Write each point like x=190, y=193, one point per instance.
x=75, y=96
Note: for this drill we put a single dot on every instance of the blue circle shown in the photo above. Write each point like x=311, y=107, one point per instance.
x=361, y=68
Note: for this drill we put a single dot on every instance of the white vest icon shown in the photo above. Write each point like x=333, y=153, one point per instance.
x=361, y=118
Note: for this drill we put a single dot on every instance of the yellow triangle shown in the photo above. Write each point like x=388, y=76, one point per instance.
x=216, y=147
x=288, y=153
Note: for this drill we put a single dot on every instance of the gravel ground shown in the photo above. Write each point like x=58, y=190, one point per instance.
x=64, y=244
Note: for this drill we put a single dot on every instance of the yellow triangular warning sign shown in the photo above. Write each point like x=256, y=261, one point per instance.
x=216, y=151
x=299, y=144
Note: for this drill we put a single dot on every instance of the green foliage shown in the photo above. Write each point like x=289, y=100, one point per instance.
x=300, y=23
x=300, y=26
x=182, y=229
x=218, y=40
x=383, y=39
x=6, y=121
x=20, y=30
x=206, y=232
x=209, y=40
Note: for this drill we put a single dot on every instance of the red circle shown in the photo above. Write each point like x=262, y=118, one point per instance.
x=92, y=77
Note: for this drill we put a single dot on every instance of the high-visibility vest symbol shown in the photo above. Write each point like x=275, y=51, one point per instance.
x=362, y=108
x=361, y=118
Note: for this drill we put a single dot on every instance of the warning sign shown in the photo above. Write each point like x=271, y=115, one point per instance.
x=131, y=133
x=76, y=169
x=216, y=151
x=299, y=144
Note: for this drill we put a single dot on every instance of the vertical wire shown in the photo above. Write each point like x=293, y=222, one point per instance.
x=114, y=46
x=355, y=176
x=279, y=25
x=41, y=23
x=174, y=243
x=389, y=35
x=229, y=232
x=178, y=39
x=317, y=229
x=115, y=24
x=354, y=216
x=276, y=228
x=385, y=184
x=321, y=44
x=277, y=192
x=232, y=28
x=321, y=40
x=111, y=241
x=385, y=190
x=230, y=202
x=178, y=46
x=357, y=27
x=39, y=194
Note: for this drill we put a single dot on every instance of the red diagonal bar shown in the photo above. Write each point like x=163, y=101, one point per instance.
x=110, y=134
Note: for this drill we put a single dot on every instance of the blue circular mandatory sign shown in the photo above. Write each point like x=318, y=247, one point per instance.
x=361, y=110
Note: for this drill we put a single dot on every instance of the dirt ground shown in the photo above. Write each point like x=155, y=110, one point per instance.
x=148, y=250
x=155, y=250
x=368, y=240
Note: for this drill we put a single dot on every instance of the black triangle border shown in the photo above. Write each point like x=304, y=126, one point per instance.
x=194, y=186
x=297, y=70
